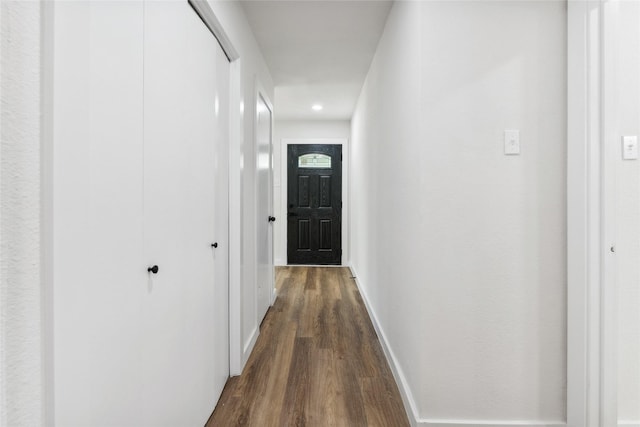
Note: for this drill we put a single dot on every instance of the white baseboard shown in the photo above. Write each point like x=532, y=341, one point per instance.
x=316, y=265
x=248, y=347
x=626, y=423
x=407, y=396
x=484, y=423
x=405, y=392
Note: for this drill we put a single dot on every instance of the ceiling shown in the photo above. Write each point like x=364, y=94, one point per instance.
x=318, y=52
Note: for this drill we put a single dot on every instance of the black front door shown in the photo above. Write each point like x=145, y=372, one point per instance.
x=314, y=223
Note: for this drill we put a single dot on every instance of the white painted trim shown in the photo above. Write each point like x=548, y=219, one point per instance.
x=3, y=327
x=590, y=235
x=409, y=402
x=204, y=11
x=46, y=219
x=236, y=131
x=577, y=213
x=477, y=423
x=317, y=265
x=284, y=142
x=609, y=155
x=248, y=346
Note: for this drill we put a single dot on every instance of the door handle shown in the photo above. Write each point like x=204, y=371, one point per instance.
x=272, y=218
x=153, y=269
x=214, y=245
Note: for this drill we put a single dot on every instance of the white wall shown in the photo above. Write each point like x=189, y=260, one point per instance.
x=459, y=249
x=628, y=217
x=21, y=346
x=253, y=73
x=300, y=129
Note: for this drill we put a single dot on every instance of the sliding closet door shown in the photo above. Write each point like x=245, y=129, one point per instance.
x=220, y=304
x=99, y=273
x=141, y=166
x=185, y=308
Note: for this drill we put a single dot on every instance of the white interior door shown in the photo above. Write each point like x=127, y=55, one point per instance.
x=264, y=227
x=186, y=305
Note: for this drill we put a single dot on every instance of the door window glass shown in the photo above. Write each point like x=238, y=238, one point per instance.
x=314, y=161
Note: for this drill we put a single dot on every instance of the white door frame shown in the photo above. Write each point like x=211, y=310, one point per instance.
x=591, y=296
x=282, y=235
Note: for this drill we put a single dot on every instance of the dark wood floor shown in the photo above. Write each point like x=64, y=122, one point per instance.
x=317, y=362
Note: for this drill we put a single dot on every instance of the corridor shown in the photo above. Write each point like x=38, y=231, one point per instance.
x=478, y=162
x=317, y=362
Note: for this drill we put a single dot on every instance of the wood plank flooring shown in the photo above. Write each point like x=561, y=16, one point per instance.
x=317, y=361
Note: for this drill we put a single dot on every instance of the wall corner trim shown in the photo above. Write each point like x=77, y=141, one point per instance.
x=248, y=347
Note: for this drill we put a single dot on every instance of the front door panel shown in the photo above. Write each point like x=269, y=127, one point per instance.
x=314, y=223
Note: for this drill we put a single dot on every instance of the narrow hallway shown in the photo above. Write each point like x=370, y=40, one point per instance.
x=317, y=362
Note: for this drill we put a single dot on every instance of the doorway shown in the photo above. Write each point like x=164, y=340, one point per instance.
x=314, y=204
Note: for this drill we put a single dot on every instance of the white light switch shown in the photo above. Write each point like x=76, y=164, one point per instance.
x=630, y=147
x=511, y=142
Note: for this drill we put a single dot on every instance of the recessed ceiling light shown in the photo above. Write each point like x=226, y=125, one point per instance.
x=316, y=107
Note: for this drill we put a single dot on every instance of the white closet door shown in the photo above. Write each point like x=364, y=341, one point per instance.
x=264, y=210
x=220, y=304
x=140, y=161
x=185, y=310
x=99, y=273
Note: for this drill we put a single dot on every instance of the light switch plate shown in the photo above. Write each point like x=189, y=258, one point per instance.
x=630, y=147
x=511, y=142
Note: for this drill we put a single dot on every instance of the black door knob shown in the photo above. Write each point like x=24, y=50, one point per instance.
x=272, y=218
x=153, y=269
x=214, y=245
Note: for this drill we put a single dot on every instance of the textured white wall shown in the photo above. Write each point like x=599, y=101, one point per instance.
x=21, y=384
x=460, y=249
x=299, y=129
x=628, y=217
